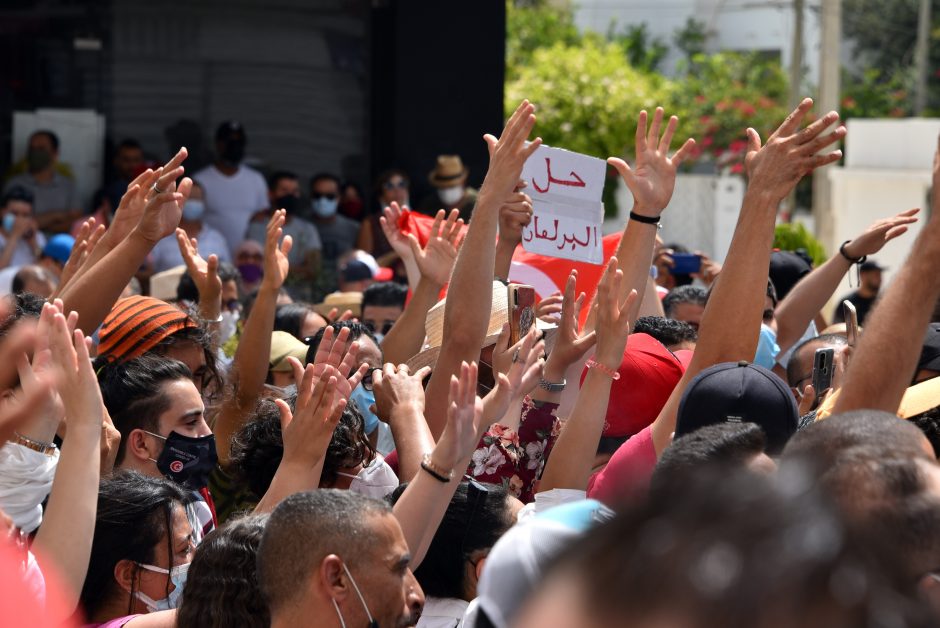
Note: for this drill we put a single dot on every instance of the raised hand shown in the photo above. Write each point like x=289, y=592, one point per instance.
x=514, y=215
x=509, y=153
x=436, y=259
x=789, y=154
x=880, y=233
x=204, y=273
x=465, y=417
x=653, y=177
x=276, y=250
x=613, y=319
x=516, y=370
x=78, y=385
x=570, y=343
x=333, y=316
x=338, y=354
x=132, y=205
x=389, y=221
x=307, y=430
x=395, y=387
x=549, y=309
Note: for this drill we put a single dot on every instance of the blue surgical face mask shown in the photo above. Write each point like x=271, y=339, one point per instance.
x=194, y=210
x=171, y=601
x=767, y=348
x=325, y=207
x=364, y=401
x=8, y=221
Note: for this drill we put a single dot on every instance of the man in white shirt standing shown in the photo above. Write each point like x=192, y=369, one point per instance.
x=233, y=192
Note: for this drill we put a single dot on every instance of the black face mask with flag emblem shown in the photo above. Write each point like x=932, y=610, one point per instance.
x=187, y=460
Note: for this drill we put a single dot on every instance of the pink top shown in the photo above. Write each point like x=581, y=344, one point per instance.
x=627, y=474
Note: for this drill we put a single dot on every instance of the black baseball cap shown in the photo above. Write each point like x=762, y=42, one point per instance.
x=870, y=265
x=930, y=352
x=356, y=270
x=739, y=392
x=230, y=129
x=786, y=270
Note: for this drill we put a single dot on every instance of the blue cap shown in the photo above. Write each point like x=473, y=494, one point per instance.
x=59, y=247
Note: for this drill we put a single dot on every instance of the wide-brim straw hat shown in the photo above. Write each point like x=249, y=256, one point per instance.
x=499, y=316
x=448, y=172
x=342, y=301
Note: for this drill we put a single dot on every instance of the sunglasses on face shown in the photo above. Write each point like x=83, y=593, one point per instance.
x=398, y=183
x=317, y=196
x=386, y=326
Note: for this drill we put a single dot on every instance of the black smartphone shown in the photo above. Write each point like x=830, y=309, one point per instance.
x=822, y=371
x=685, y=263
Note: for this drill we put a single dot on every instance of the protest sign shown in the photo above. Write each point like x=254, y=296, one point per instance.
x=566, y=190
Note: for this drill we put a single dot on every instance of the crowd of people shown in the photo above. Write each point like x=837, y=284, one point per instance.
x=261, y=447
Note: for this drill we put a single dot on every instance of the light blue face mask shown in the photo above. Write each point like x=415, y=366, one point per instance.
x=325, y=207
x=364, y=400
x=8, y=221
x=193, y=210
x=177, y=577
x=767, y=348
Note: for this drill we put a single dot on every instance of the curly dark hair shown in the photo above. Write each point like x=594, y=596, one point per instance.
x=222, y=584
x=258, y=447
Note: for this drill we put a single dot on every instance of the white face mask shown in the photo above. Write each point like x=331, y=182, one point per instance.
x=229, y=325
x=376, y=480
x=451, y=195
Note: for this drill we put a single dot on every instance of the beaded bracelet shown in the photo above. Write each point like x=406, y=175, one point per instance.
x=609, y=372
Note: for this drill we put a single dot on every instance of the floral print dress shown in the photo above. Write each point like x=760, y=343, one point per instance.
x=515, y=459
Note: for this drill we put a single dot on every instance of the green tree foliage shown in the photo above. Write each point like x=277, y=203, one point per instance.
x=884, y=33
x=794, y=236
x=722, y=95
x=532, y=25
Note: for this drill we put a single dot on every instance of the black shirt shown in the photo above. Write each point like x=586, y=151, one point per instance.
x=862, y=306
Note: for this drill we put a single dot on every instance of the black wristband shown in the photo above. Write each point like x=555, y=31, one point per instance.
x=853, y=260
x=434, y=474
x=646, y=220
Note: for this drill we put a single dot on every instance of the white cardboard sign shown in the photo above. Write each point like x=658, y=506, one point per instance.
x=566, y=191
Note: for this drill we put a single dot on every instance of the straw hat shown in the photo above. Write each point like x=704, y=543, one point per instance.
x=163, y=284
x=342, y=301
x=448, y=172
x=499, y=316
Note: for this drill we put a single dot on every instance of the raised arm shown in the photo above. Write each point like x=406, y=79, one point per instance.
x=399, y=242
x=205, y=275
x=422, y=505
x=810, y=295
x=64, y=539
x=774, y=170
x=651, y=181
x=569, y=466
x=399, y=401
x=94, y=291
x=250, y=365
x=884, y=363
x=435, y=262
x=306, y=431
x=466, y=318
x=515, y=214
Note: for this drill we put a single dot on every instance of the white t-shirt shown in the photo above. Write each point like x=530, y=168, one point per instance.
x=166, y=254
x=442, y=612
x=231, y=201
x=23, y=254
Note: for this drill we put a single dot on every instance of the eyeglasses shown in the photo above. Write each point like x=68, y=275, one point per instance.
x=395, y=183
x=386, y=326
x=367, y=379
x=317, y=196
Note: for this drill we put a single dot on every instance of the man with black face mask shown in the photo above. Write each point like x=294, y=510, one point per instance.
x=54, y=201
x=233, y=192
x=304, y=256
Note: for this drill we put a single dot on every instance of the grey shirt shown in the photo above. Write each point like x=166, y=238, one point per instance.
x=55, y=196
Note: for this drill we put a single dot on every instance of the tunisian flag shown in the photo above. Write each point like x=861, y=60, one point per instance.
x=547, y=275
